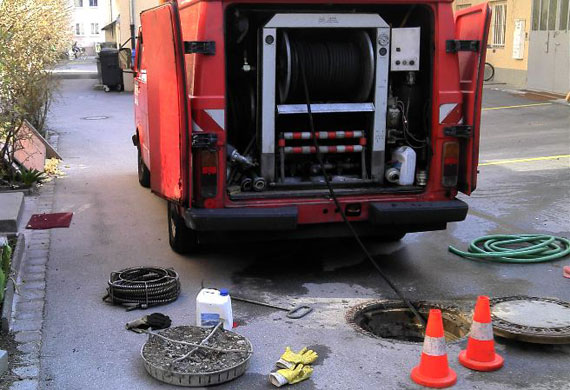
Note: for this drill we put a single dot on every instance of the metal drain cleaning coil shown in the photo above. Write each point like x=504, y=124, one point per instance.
x=142, y=287
x=516, y=248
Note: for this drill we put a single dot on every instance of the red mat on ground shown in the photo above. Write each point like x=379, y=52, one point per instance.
x=49, y=221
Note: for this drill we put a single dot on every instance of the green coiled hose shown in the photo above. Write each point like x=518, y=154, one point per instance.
x=516, y=248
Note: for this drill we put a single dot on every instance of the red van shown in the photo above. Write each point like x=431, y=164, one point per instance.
x=243, y=107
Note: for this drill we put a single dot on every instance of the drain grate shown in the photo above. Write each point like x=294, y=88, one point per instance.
x=94, y=118
x=394, y=320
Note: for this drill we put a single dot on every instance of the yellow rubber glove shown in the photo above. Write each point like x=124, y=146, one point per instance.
x=290, y=375
x=290, y=359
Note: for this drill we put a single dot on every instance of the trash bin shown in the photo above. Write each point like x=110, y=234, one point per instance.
x=111, y=73
x=99, y=77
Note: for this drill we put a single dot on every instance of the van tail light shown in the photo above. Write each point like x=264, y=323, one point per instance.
x=450, y=169
x=208, y=169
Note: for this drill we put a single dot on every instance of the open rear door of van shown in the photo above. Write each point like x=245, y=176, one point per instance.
x=167, y=108
x=471, y=25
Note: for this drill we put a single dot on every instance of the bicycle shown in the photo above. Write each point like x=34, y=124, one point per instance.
x=489, y=72
x=78, y=52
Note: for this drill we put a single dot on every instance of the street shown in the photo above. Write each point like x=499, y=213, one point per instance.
x=118, y=224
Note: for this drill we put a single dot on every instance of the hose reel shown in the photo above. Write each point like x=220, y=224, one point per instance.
x=339, y=65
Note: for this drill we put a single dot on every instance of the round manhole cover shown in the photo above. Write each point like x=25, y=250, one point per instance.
x=532, y=319
x=95, y=117
x=394, y=320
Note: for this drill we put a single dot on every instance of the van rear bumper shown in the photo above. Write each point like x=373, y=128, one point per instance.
x=276, y=218
x=381, y=214
x=420, y=213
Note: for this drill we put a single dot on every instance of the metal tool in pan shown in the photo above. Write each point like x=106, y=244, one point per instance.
x=294, y=313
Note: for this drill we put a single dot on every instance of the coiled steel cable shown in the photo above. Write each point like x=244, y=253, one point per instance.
x=142, y=287
x=516, y=248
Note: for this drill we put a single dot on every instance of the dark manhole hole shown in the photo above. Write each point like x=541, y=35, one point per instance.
x=95, y=117
x=394, y=320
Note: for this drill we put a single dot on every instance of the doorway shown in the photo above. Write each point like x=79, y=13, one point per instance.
x=549, y=48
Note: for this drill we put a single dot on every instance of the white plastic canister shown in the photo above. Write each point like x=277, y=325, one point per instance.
x=405, y=157
x=213, y=306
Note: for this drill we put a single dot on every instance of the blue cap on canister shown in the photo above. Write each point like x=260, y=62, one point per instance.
x=224, y=292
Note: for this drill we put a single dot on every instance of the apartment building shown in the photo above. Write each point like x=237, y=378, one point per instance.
x=89, y=16
x=507, y=47
x=529, y=44
x=118, y=30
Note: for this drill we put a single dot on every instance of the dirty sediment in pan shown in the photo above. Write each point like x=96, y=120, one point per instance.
x=393, y=320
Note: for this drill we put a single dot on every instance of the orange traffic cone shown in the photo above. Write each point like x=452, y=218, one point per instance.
x=433, y=370
x=480, y=353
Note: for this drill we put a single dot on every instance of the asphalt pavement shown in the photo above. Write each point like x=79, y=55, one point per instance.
x=119, y=224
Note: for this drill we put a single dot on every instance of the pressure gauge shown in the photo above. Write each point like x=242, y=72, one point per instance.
x=383, y=39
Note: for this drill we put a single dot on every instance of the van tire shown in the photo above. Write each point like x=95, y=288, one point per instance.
x=181, y=238
x=143, y=172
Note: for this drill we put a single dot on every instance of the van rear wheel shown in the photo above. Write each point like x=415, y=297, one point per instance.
x=181, y=238
x=144, y=173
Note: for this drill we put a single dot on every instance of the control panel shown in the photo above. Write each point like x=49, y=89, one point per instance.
x=405, y=53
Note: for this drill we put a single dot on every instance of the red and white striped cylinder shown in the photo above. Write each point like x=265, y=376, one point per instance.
x=323, y=134
x=323, y=149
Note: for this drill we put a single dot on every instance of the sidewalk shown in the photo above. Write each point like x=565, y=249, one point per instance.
x=77, y=69
x=537, y=96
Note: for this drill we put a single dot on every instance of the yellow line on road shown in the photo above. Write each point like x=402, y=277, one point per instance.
x=520, y=160
x=519, y=106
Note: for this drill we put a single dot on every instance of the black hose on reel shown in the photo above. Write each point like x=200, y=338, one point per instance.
x=142, y=287
x=338, y=66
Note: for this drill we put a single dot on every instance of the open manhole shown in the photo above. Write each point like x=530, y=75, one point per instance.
x=95, y=117
x=394, y=320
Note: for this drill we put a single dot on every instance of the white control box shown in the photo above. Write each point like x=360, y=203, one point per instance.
x=405, y=49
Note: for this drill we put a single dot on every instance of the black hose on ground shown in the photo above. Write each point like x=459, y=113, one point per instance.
x=142, y=287
x=420, y=318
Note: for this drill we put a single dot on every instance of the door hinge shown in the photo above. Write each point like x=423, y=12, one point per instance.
x=455, y=45
x=200, y=47
x=204, y=141
x=459, y=131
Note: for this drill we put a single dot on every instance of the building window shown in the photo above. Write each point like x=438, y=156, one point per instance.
x=499, y=24
x=79, y=3
x=79, y=29
x=93, y=3
x=550, y=15
x=552, y=8
x=535, y=14
x=563, y=25
x=543, y=14
x=94, y=28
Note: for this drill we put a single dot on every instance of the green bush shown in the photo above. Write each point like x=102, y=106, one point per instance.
x=6, y=256
x=33, y=34
x=29, y=176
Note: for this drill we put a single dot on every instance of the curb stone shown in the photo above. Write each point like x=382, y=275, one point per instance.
x=27, y=317
x=3, y=362
x=11, y=212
